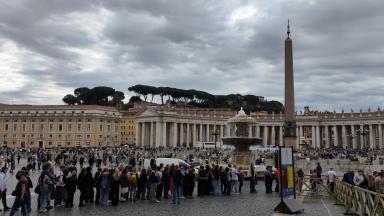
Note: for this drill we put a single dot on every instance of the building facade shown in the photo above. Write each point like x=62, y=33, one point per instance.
x=49, y=126
x=171, y=127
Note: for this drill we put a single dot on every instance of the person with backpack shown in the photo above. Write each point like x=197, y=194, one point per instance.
x=47, y=186
x=21, y=195
x=104, y=187
x=124, y=184
x=142, y=184
x=133, y=184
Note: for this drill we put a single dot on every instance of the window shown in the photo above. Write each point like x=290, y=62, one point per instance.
x=79, y=136
x=23, y=135
x=78, y=127
x=6, y=127
x=60, y=127
x=69, y=136
x=50, y=143
x=41, y=126
x=88, y=136
x=14, y=135
x=33, y=127
x=24, y=127
x=50, y=135
x=69, y=127
x=50, y=127
x=109, y=128
x=88, y=127
x=14, y=127
x=100, y=128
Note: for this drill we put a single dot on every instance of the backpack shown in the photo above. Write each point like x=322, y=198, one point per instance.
x=104, y=182
x=133, y=178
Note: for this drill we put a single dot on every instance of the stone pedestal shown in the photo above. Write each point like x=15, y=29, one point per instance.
x=242, y=159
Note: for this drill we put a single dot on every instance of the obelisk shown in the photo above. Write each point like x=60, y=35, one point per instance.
x=289, y=114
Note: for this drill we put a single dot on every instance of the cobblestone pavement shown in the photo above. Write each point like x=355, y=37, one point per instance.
x=244, y=204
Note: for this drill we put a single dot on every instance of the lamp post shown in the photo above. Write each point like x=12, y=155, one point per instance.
x=215, y=133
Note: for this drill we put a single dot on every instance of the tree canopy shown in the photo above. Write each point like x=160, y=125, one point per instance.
x=192, y=97
x=100, y=95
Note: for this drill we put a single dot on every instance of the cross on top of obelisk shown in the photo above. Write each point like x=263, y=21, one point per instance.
x=288, y=29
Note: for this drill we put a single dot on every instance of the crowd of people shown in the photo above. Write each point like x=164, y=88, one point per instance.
x=116, y=176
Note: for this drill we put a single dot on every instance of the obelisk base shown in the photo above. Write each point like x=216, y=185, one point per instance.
x=290, y=142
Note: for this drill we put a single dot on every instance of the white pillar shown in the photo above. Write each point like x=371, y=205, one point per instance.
x=249, y=131
x=318, y=137
x=380, y=136
x=280, y=135
x=326, y=137
x=138, y=134
x=344, y=137
x=221, y=134
x=194, y=135
x=164, y=134
x=258, y=131
x=151, y=133
x=188, y=135
x=158, y=134
x=336, y=136
x=301, y=128
x=207, y=132
x=297, y=136
x=143, y=134
x=362, y=144
x=181, y=134
x=273, y=137
x=174, y=134
x=313, y=137
x=201, y=133
x=265, y=136
x=228, y=131
x=354, y=137
x=371, y=143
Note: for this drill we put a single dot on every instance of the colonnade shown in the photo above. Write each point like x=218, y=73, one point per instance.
x=174, y=134
x=347, y=136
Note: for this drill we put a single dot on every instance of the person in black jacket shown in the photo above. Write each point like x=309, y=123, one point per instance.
x=165, y=181
x=70, y=186
x=142, y=184
x=89, y=187
x=96, y=184
x=268, y=179
x=190, y=183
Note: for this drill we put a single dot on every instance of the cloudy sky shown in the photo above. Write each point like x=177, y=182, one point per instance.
x=50, y=47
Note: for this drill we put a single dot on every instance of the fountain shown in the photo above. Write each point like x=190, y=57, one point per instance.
x=240, y=136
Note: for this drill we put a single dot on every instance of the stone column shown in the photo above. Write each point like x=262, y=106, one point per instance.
x=318, y=137
x=188, y=135
x=138, y=134
x=273, y=136
x=143, y=134
x=344, y=137
x=174, y=134
x=354, y=137
x=265, y=136
x=258, y=131
x=151, y=133
x=380, y=128
x=371, y=143
x=194, y=135
x=336, y=136
x=297, y=135
x=164, y=134
x=301, y=128
x=201, y=133
x=326, y=137
x=228, y=131
x=313, y=136
x=362, y=144
x=249, y=131
x=280, y=135
x=207, y=133
x=181, y=134
x=158, y=134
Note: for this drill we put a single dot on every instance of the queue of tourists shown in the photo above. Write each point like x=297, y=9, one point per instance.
x=114, y=179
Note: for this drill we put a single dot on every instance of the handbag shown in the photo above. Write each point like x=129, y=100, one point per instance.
x=37, y=189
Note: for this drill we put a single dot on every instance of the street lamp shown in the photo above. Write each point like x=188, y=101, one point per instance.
x=215, y=133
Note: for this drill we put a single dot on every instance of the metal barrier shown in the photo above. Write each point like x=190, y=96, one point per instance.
x=359, y=201
x=312, y=187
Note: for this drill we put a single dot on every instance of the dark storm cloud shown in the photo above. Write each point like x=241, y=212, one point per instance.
x=51, y=47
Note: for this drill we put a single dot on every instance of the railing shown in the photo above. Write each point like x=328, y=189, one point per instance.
x=312, y=187
x=359, y=201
